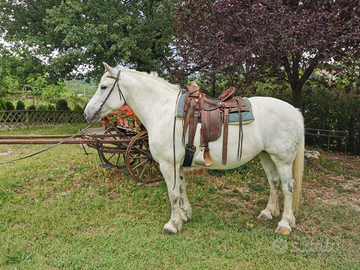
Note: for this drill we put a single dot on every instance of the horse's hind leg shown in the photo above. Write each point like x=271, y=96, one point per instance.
x=287, y=185
x=272, y=208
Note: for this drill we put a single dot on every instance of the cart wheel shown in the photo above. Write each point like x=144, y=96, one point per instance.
x=139, y=162
x=113, y=153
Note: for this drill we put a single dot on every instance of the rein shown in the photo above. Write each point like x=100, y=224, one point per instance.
x=51, y=147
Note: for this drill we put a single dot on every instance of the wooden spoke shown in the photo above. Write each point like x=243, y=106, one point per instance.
x=139, y=162
x=114, y=153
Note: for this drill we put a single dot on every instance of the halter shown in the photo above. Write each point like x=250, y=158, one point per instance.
x=121, y=95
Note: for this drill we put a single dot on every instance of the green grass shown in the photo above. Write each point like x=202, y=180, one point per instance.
x=60, y=210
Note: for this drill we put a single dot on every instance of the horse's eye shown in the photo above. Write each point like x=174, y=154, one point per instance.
x=103, y=87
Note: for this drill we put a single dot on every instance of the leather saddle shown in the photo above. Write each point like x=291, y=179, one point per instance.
x=213, y=113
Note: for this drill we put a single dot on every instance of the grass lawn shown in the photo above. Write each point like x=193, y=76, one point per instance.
x=60, y=210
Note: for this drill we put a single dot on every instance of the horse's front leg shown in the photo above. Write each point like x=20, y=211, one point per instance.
x=185, y=207
x=176, y=221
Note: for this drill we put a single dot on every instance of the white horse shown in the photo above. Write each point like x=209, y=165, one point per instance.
x=276, y=136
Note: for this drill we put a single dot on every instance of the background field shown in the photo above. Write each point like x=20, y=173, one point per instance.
x=60, y=210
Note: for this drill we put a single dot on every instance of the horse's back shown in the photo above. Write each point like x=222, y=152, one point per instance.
x=276, y=112
x=272, y=105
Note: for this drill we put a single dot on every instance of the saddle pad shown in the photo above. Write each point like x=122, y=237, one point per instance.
x=247, y=117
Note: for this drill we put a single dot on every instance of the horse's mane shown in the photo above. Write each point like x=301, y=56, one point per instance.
x=152, y=75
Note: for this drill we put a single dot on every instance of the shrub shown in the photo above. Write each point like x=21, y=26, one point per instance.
x=9, y=106
x=50, y=107
x=77, y=107
x=20, y=105
x=333, y=106
x=62, y=105
x=32, y=108
x=2, y=104
x=42, y=108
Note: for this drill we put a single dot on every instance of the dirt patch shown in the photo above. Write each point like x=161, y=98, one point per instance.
x=341, y=186
x=346, y=161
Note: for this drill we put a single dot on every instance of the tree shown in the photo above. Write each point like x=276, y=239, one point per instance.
x=37, y=86
x=2, y=105
x=8, y=84
x=286, y=39
x=22, y=27
x=53, y=92
x=80, y=35
x=44, y=90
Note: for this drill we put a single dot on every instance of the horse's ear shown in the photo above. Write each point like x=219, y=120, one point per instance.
x=108, y=68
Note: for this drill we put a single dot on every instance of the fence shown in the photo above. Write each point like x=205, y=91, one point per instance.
x=328, y=138
x=15, y=119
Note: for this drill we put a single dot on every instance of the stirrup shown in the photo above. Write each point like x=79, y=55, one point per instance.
x=203, y=158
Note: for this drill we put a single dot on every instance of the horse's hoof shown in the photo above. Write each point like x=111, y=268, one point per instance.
x=167, y=232
x=283, y=230
x=262, y=216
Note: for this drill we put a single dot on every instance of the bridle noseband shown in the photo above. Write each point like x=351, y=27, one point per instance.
x=121, y=95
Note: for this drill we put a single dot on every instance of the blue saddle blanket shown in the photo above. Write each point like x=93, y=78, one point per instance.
x=247, y=117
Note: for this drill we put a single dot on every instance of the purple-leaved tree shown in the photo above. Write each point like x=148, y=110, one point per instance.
x=285, y=39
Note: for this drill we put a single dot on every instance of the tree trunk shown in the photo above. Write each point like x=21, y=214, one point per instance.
x=213, y=90
x=297, y=95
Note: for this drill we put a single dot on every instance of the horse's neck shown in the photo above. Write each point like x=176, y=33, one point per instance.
x=151, y=98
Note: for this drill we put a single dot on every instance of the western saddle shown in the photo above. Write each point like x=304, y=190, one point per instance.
x=212, y=113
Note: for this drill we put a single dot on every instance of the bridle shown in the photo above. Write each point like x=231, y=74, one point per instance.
x=121, y=95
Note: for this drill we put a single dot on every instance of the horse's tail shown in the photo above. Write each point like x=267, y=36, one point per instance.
x=298, y=171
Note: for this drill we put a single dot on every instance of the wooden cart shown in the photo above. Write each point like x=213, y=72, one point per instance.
x=118, y=147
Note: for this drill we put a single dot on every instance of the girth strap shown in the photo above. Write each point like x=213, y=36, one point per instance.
x=240, y=141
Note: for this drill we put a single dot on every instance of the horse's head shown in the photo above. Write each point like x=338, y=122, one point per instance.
x=108, y=96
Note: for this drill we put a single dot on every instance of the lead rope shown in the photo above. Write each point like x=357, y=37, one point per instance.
x=51, y=147
x=174, y=129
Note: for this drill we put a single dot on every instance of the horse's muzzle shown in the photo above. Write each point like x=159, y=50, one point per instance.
x=92, y=119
